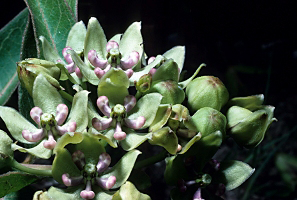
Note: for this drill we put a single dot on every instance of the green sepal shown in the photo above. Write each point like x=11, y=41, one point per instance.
x=162, y=116
x=167, y=71
x=123, y=168
x=176, y=53
x=166, y=138
x=16, y=123
x=129, y=191
x=233, y=173
x=39, y=150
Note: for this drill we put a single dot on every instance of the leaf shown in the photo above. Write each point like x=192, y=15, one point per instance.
x=177, y=53
x=53, y=20
x=10, y=47
x=14, y=181
x=129, y=191
x=187, y=146
x=65, y=194
x=184, y=84
x=123, y=168
x=25, y=103
x=233, y=173
x=38, y=151
x=133, y=140
x=167, y=71
x=161, y=118
x=5, y=145
x=140, y=178
x=72, y=5
x=76, y=37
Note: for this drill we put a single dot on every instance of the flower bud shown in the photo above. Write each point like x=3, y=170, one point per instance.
x=29, y=69
x=144, y=83
x=250, y=102
x=206, y=91
x=206, y=121
x=248, y=128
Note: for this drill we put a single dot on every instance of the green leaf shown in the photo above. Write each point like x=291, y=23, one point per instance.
x=140, y=178
x=233, y=173
x=72, y=5
x=45, y=95
x=144, y=108
x=175, y=169
x=133, y=140
x=49, y=53
x=177, y=53
x=14, y=181
x=65, y=194
x=76, y=37
x=53, y=20
x=110, y=140
x=161, y=118
x=10, y=47
x=186, y=147
x=129, y=191
x=5, y=145
x=25, y=103
x=167, y=71
x=39, y=151
x=123, y=168
x=67, y=139
x=16, y=123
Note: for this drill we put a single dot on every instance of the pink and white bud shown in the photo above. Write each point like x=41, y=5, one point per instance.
x=106, y=183
x=129, y=102
x=131, y=61
x=152, y=71
x=111, y=45
x=135, y=123
x=68, y=127
x=79, y=160
x=129, y=72
x=51, y=142
x=102, y=103
x=71, y=67
x=78, y=72
x=71, y=181
x=119, y=134
x=151, y=59
x=99, y=72
x=33, y=136
x=61, y=113
x=95, y=61
x=102, y=124
x=35, y=114
x=87, y=193
x=66, y=55
x=103, y=163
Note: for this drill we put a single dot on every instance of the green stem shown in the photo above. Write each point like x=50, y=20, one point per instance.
x=65, y=95
x=23, y=168
x=152, y=160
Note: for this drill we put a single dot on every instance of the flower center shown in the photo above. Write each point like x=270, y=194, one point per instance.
x=47, y=121
x=118, y=112
x=89, y=171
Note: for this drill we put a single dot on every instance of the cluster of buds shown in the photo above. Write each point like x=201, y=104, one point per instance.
x=90, y=174
x=49, y=125
x=117, y=116
x=113, y=59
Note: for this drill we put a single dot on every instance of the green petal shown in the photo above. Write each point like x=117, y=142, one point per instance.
x=16, y=123
x=45, y=95
x=250, y=102
x=161, y=118
x=129, y=191
x=144, y=108
x=233, y=173
x=133, y=140
x=68, y=138
x=116, y=38
x=177, y=53
x=76, y=37
x=123, y=168
x=38, y=151
x=167, y=71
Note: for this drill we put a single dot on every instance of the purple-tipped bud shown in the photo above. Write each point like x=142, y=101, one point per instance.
x=152, y=71
x=95, y=61
x=151, y=59
x=33, y=137
x=51, y=142
x=79, y=160
x=71, y=67
x=87, y=193
x=106, y=183
x=111, y=45
x=197, y=195
x=78, y=72
x=69, y=127
x=99, y=72
x=104, y=162
x=119, y=134
x=61, y=113
x=35, y=114
x=135, y=123
x=102, y=103
x=129, y=72
x=71, y=181
x=66, y=55
x=131, y=61
x=102, y=124
x=129, y=102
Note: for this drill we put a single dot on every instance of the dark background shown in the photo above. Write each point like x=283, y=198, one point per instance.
x=250, y=45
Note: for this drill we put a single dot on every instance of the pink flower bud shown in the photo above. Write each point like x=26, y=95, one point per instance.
x=71, y=67
x=119, y=134
x=102, y=103
x=104, y=162
x=111, y=45
x=100, y=125
x=95, y=61
x=51, y=142
x=131, y=61
x=129, y=102
x=78, y=72
x=135, y=123
x=106, y=183
x=61, y=113
x=151, y=59
x=129, y=72
x=152, y=71
x=33, y=137
x=78, y=158
x=35, y=114
x=71, y=181
x=99, y=72
x=87, y=193
x=66, y=55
